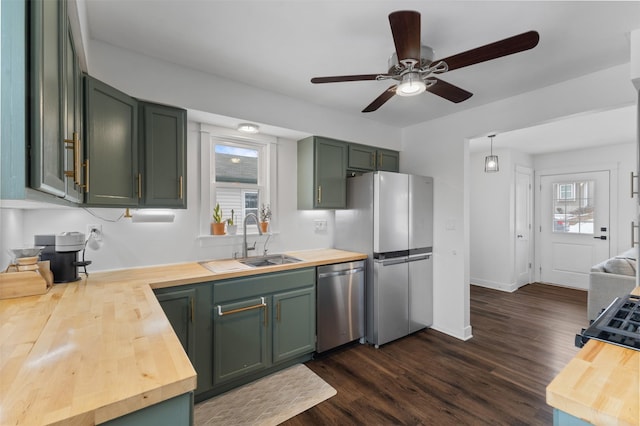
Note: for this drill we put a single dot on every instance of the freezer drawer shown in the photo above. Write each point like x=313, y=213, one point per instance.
x=340, y=304
x=390, y=308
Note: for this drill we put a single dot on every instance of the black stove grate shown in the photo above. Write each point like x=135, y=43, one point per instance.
x=618, y=324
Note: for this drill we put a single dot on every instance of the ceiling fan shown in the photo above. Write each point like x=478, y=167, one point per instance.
x=413, y=68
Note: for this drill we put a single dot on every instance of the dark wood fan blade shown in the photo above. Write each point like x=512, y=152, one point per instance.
x=448, y=91
x=340, y=78
x=380, y=100
x=405, y=27
x=498, y=49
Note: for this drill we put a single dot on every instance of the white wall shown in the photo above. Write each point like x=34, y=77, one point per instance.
x=492, y=219
x=440, y=148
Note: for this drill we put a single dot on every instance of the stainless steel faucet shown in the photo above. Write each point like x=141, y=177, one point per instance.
x=245, y=247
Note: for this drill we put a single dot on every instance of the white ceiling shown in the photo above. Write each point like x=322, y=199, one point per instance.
x=280, y=45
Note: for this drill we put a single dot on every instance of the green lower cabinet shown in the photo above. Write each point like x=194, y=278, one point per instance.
x=178, y=306
x=240, y=334
x=177, y=411
x=561, y=418
x=293, y=327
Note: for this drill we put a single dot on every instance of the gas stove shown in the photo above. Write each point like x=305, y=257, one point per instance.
x=618, y=324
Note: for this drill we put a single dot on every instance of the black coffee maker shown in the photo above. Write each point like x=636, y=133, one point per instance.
x=61, y=250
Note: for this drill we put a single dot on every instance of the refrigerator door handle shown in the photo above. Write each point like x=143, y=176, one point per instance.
x=389, y=262
x=415, y=257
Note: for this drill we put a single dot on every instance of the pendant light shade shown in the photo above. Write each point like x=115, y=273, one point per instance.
x=491, y=161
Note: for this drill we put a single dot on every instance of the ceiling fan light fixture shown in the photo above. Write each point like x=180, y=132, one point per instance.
x=248, y=128
x=411, y=85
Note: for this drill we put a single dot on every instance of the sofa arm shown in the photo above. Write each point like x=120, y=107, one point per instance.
x=604, y=287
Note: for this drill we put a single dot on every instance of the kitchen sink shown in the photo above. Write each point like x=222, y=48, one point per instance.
x=269, y=260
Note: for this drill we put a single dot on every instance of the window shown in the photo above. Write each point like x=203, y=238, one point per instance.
x=237, y=171
x=573, y=207
x=239, y=183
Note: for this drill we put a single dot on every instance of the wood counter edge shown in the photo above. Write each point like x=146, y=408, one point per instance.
x=560, y=398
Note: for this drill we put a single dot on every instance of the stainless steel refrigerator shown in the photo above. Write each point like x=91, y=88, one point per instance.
x=389, y=216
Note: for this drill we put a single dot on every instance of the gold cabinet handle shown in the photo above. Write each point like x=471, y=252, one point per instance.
x=86, y=175
x=262, y=304
x=372, y=163
x=139, y=186
x=192, y=308
x=319, y=194
x=380, y=161
x=74, y=144
x=180, y=188
x=278, y=311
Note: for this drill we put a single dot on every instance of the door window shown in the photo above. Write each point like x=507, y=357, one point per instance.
x=573, y=207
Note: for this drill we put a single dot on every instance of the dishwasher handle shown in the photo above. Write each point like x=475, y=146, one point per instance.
x=341, y=272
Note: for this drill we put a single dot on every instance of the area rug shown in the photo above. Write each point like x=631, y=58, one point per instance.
x=267, y=401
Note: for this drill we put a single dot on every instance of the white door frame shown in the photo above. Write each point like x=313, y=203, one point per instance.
x=612, y=168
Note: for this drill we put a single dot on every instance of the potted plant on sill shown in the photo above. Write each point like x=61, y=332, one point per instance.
x=232, y=228
x=217, y=226
x=265, y=216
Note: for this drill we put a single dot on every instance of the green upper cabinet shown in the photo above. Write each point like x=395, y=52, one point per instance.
x=387, y=160
x=111, y=144
x=322, y=178
x=362, y=157
x=293, y=326
x=47, y=148
x=163, y=162
x=55, y=104
x=72, y=126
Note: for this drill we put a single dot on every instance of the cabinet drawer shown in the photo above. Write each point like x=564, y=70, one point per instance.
x=260, y=285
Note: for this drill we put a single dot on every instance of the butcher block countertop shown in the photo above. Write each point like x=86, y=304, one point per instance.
x=90, y=351
x=600, y=385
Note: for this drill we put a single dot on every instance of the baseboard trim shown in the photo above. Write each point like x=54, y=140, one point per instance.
x=465, y=334
x=510, y=288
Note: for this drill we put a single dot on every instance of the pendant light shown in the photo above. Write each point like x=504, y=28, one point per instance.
x=491, y=161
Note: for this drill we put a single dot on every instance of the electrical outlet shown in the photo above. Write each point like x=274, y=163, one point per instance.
x=97, y=230
x=320, y=225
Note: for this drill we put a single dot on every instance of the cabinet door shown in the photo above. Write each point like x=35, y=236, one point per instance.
x=111, y=145
x=72, y=121
x=164, y=156
x=178, y=306
x=240, y=339
x=294, y=323
x=362, y=157
x=388, y=160
x=330, y=174
x=46, y=80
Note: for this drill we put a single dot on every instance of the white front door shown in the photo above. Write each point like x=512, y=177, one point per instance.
x=523, y=215
x=574, y=228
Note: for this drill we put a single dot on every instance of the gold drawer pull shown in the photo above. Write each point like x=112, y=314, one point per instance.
x=139, y=185
x=319, y=194
x=260, y=305
x=180, y=188
x=86, y=175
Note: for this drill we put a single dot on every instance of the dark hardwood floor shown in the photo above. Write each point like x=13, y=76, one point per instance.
x=520, y=342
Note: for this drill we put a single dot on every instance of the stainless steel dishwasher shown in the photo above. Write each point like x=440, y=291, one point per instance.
x=340, y=304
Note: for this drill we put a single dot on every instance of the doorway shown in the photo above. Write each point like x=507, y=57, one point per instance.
x=523, y=226
x=574, y=226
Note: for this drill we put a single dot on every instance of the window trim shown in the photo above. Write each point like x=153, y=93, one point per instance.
x=209, y=135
